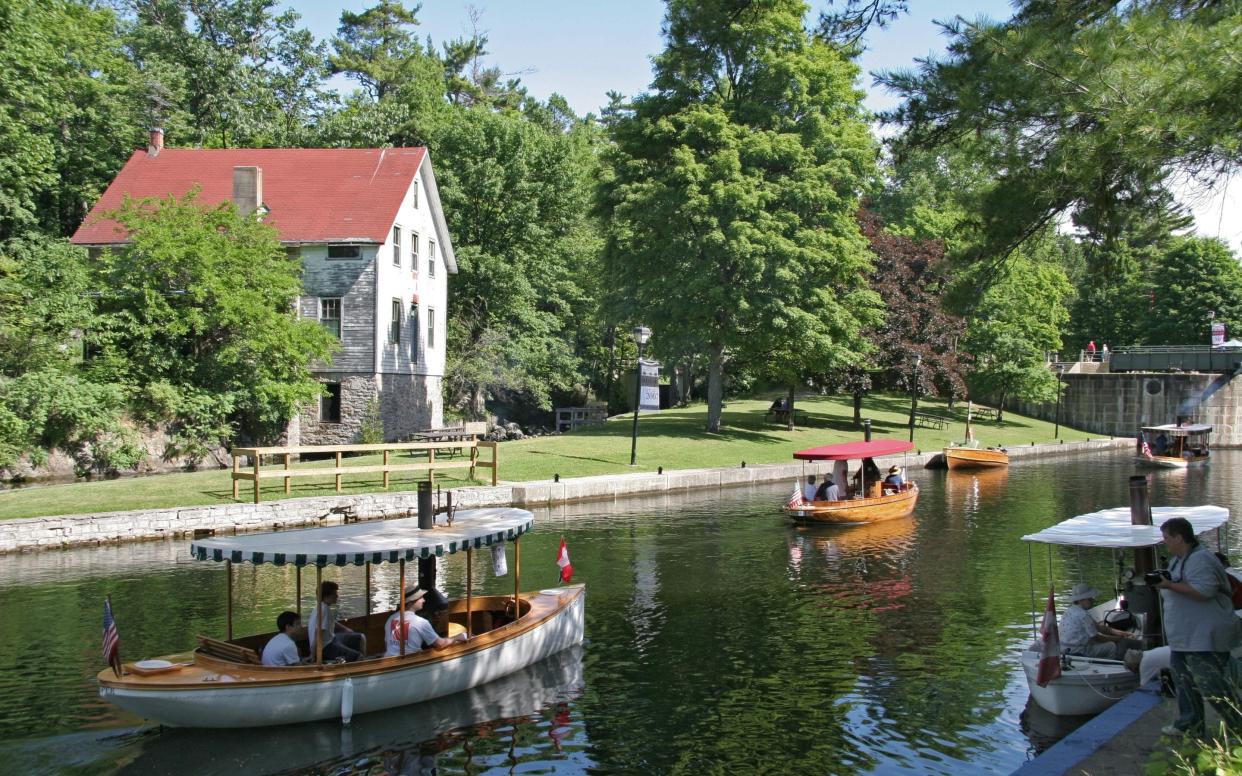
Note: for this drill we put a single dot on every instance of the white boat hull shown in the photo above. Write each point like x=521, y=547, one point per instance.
x=231, y=704
x=1169, y=462
x=1088, y=688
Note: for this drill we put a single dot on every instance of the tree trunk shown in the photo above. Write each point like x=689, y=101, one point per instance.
x=611, y=337
x=478, y=403
x=689, y=394
x=791, y=407
x=1000, y=409
x=715, y=387
x=858, y=409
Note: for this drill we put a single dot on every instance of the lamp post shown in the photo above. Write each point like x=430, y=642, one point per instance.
x=1056, y=431
x=641, y=335
x=914, y=393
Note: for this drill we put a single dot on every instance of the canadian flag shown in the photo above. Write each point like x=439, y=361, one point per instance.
x=1050, y=656
x=795, y=500
x=562, y=560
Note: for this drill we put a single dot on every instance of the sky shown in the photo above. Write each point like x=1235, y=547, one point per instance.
x=582, y=49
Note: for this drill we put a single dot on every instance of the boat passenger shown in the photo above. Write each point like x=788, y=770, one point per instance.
x=417, y=632
x=895, y=479
x=1082, y=635
x=808, y=490
x=281, y=649
x=338, y=640
x=828, y=490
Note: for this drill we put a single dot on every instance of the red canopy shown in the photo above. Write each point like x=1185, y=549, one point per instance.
x=854, y=450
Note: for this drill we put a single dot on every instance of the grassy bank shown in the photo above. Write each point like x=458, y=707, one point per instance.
x=673, y=439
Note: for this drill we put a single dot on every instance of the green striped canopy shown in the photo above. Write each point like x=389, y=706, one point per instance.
x=379, y=541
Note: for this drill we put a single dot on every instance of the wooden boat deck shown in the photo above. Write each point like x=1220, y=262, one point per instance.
x=209, y=671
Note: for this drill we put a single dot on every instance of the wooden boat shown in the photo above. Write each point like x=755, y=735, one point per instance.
x=222, y=685
x=872, y=502
x=971, y=455
x=1173, y=446
x=1090, y=685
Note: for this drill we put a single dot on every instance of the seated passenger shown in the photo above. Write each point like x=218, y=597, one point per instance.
x=281, y=650
x=828, y=490
x=414, y=630
x=895, y=479
x=808, y=490
x=1082, y=635
x=338, y=640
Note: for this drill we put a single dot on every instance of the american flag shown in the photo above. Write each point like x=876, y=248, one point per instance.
x=1050, y=657
x=1145, y=450
x=795, y=500
x=111, y=639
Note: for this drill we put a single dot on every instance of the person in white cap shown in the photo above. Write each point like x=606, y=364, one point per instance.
x=1082, y=635
x=417, y=632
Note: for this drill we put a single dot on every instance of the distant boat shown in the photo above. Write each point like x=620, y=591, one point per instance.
x=971, y=455
x=873, y=500
x=1173, y=446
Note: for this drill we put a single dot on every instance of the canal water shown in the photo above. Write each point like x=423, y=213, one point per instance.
x=719, y=638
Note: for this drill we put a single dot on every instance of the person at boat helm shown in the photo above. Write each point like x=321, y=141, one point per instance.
x=417, y=632
x=828, y=490
x=338, y=641
x=282, y=649
x=895, y=478
x=1082, y=635
x=1201, y=629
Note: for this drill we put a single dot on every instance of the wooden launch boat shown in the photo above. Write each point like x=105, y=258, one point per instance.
x=1173, y=446
x=872, y=501
x=971, y=455
x=1090, y=685
x=223, y=685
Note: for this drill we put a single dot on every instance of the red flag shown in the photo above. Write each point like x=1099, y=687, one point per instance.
x=562, y=560
x=795, y=500
x=1050, y=656
x=111, y=639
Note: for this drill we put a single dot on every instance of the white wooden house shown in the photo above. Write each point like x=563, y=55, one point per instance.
x=376, y=256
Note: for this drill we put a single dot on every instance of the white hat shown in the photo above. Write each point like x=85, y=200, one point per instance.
x=1083, y=590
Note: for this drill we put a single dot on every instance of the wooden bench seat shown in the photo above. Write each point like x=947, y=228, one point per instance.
x=229, y=651
x=927, y=420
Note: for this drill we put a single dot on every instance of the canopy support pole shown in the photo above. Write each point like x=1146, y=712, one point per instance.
x=517, y=577
x=1030, y=567
x=228, y=569
x=469, y=592
x=401, y=607
x=318, y=615
x=299, y=592
x=368, y=593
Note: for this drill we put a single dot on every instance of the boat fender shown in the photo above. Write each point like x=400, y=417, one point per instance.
x=347, y=701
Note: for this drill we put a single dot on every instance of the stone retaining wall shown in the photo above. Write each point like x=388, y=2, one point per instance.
x=39, y=533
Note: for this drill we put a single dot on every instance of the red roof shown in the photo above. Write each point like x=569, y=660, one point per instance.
x=312, y=194
x=853, y=450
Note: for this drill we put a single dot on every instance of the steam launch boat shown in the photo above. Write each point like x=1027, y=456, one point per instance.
x=1173, y=446
x=867, y=499
x=971, y=455
x=222, y=683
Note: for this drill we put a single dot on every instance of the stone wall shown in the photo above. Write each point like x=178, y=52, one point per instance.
x=409, y=403
x=357, y=391
x=1119, y=403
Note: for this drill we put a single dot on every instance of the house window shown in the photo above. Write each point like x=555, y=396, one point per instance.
x=330, y=315
x=431, y=258
x=330, y=403
x=431, y=327
x=396, y=246
x=414, y=250
x=394, y=328
x=344, y=251
x=414, y=333
x=414, y=194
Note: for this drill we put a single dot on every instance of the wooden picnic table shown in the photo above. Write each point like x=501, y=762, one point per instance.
x=929, y=420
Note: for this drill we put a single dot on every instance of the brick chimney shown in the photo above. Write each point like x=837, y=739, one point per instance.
x=247, y=189
x=156, y=142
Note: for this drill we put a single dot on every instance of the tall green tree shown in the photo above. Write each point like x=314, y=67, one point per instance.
x=1195, y=276
x=378, y=47
x=734, y=186
x=196, y=323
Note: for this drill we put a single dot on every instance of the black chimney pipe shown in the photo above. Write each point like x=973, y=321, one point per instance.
x=867, y=430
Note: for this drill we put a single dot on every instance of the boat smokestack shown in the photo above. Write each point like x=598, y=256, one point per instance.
x=426, y=511
x=1140, y=503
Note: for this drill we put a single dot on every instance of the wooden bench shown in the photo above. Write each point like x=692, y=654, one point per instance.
x=228, y=651
x=569, y=418
x=984, y=413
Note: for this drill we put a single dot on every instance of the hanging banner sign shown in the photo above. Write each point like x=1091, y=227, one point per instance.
x=649, y=393
x=1218, y=333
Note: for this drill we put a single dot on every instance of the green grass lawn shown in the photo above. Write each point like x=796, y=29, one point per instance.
x=674, y=439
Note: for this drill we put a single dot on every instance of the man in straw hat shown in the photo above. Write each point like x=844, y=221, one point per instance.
x=415, y=631
x=1082, y=635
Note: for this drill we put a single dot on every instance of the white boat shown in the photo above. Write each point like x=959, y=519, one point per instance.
x=221, y=684
x=1173, y=446
x=1090, y=685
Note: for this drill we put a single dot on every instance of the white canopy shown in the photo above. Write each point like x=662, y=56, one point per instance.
x=1188, y=429
x=379, y=541
x=1112, y=528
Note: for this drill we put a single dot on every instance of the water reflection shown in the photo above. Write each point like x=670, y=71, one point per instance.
x=720, y=637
